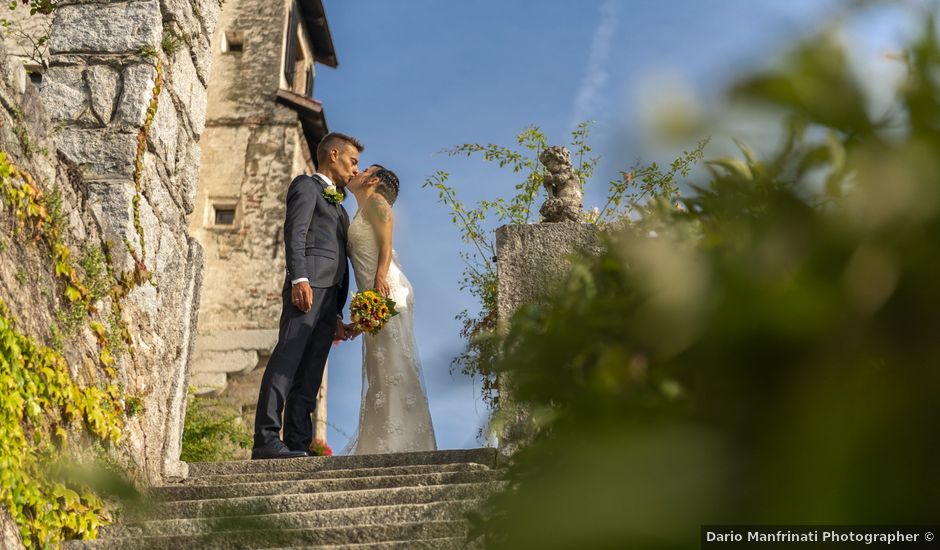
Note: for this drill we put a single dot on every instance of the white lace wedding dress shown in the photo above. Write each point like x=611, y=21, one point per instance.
x=394, y=415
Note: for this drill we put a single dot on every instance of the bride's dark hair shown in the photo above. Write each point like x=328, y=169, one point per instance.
x=388, y=183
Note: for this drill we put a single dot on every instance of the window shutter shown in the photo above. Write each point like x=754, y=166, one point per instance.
x=291, y=54
x=309, y=90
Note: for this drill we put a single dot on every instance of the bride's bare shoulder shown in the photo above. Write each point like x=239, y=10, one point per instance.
x=377, y=209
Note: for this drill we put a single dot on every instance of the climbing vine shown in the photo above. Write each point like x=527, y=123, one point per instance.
x=40, y=403
x=44, y=7
x=34, y=214
x=24, y=197
x=141, y=272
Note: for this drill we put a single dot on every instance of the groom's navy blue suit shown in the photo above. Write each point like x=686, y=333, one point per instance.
x=315, y=248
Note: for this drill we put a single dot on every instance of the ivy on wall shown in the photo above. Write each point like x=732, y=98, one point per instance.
x=141, y=272
x=41, y=406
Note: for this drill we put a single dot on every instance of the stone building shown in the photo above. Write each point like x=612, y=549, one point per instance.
x=262, y=128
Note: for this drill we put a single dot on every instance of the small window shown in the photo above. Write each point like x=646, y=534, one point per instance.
x=222, y=212
x=224, y=215
x=233, y=41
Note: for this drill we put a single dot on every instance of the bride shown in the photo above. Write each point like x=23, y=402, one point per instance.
x=394, y=415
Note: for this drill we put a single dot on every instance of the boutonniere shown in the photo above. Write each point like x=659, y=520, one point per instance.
x=333, y=196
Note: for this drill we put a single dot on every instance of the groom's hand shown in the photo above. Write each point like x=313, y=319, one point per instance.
x=301, y=295
x=351, y=331
x=340, y=335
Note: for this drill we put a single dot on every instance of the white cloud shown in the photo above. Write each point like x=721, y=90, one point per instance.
x=586, y=101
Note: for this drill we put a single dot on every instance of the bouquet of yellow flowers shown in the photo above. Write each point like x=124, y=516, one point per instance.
x=370, y=310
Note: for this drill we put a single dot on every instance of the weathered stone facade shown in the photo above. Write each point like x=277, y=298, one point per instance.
x=126, y=175
x=261, y=130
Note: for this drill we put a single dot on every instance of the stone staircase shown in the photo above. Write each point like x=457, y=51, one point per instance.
x=393, y=501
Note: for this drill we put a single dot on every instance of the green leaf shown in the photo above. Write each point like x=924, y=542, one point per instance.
x=72, y=293
x=736, y=167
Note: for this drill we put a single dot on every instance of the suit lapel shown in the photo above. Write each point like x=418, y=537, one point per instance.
x=319, y=180
x=344, y=217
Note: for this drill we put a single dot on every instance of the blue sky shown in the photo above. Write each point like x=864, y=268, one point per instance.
x=419, y=76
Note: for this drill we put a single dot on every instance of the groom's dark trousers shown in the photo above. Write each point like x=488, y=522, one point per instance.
x=315, y=243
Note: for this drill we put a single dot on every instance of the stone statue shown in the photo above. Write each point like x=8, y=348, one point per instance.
x=565, y=196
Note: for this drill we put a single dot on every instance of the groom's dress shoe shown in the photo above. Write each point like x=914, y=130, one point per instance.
x=296, y=450
x=275, y=449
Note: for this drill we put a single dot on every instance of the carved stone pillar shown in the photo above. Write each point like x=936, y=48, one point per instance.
x=531, y=260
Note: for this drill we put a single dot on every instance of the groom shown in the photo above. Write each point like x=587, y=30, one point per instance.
x=313, y=297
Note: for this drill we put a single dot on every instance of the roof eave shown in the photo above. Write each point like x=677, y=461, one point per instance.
x=318, y=27
x=310, y=113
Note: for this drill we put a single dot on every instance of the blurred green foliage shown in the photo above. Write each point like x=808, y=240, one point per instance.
x=213, y=432
x=767, y=352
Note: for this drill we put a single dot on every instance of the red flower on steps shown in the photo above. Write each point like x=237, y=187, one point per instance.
x=319, y=448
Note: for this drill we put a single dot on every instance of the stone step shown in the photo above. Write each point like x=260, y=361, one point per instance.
x=447, y=510
x=234, y=361
x=306, y=486
x=450, y=543
x=208, y=382
x=271, y=538
x=485, y=456
x=329, y=474
x=275, y=504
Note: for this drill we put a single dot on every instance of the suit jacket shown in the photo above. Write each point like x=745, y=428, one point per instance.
x=315, y=237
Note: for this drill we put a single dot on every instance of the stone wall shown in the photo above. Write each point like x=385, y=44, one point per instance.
x=9, y=533
x=114, y=130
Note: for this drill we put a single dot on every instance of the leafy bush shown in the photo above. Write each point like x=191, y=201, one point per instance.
x=211, y=432
x=766, y=353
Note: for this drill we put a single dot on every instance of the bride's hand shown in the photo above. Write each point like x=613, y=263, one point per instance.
x=381, y=285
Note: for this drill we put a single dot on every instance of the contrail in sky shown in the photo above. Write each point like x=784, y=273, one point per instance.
x=595, y=77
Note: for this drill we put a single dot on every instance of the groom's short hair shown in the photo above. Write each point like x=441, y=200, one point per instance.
x=334, y=140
